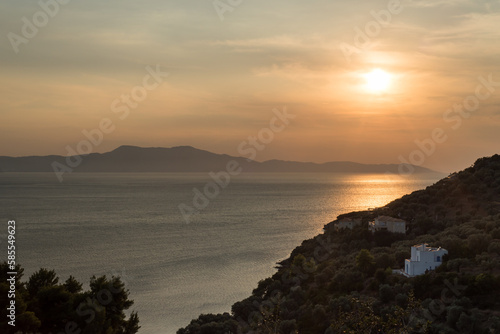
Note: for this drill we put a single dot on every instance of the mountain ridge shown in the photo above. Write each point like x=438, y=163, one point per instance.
x=129, y=158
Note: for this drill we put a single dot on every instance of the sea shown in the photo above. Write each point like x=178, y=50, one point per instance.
x=130, y=225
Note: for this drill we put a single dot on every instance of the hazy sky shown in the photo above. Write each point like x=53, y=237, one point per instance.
x=226, y=77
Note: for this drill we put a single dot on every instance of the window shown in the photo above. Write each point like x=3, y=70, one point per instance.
x=438, y=258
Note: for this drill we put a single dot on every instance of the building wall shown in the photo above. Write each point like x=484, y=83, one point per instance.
x=426, y=256
x=396, y=227
x=347, y=224
x=413, y=254
x=423, y=259
x=389, y=225
x=419, y=268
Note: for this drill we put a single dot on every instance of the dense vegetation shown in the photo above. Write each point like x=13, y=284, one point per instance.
x=43, y=305
x=343, y=281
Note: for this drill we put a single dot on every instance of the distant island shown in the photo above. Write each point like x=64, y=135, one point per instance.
x=186, y=159
x=356, y=276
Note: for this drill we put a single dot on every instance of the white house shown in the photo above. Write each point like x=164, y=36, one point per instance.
x=423, y=258
x=349, y=223
x=386, y=223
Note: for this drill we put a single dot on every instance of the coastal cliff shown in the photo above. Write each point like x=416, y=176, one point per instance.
x=348, y=280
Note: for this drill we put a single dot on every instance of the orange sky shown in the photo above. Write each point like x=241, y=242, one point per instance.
x=226, y=77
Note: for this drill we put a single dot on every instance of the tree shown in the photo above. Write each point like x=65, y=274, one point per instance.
x=365, y=261
x=72, y=285
x=40, y=279
x=28, y=322
x=112, y=295
x=386, y=293
x=384, y=261
x=211, y=323
x=479, y=243
x=53, y=306
x=380, y=275
x=288, y=326
x=132, y=325
x=362, y=319
x=43, y=305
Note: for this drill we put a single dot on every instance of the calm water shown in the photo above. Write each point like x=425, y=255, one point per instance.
x=130, y=225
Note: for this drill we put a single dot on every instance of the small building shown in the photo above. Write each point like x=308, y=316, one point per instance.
x=386, y=223
x=423, y=258
x=349, y=223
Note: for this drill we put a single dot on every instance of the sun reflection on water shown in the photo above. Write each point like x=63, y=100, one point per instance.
x=377, y=190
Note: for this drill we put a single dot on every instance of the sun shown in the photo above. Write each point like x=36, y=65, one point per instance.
x=377, y=81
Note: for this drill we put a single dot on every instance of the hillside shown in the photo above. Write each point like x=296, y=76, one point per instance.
x=183, y=159
x=345, y=281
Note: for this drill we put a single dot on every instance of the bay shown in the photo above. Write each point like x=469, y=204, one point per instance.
x=130, y=225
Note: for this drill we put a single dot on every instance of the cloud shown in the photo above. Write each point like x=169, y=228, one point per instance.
x=438, y=3
x=225, y=75
x=283, y=41
x=474, y=38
